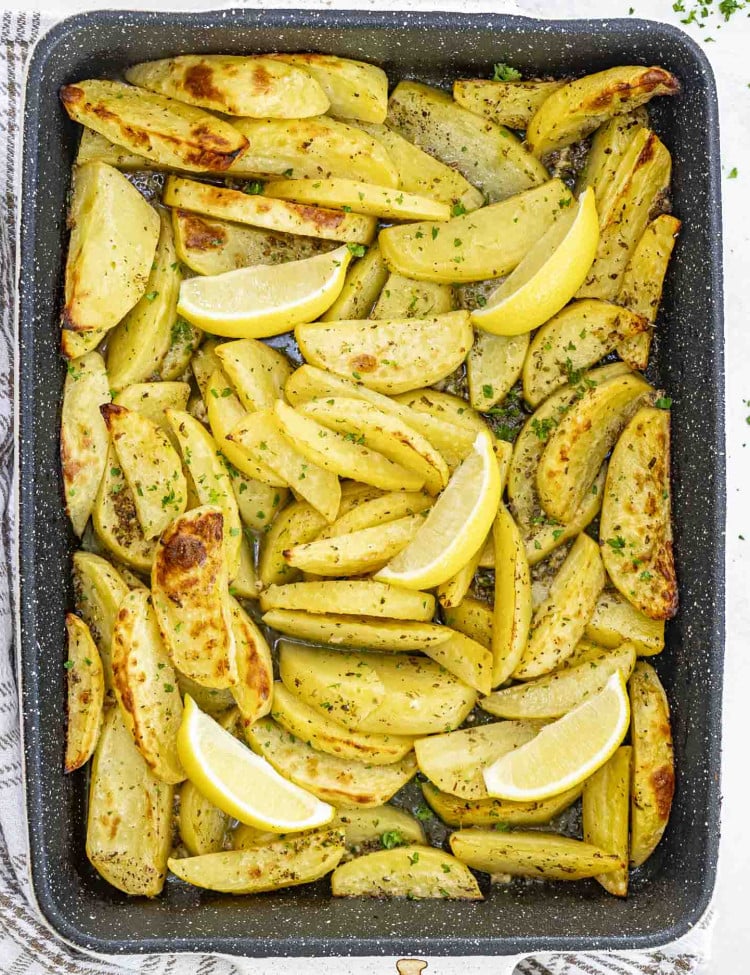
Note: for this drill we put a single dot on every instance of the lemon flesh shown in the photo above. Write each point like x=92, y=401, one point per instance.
x=566, y=752
x=263, y=300
x=548, y=277
x=241, y=783
x=456, y=526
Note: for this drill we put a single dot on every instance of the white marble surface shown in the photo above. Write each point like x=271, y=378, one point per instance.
x=730, y=56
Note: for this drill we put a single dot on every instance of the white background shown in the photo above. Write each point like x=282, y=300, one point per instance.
x=730, y=56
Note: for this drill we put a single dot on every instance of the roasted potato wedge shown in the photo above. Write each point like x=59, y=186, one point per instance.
x=379, y=510
x=85, y=693
x=259, y=87
x=490, y=156
x=153, y=400
x=573, y=111
x=388, y=635
x=262, y=211
x=585, y=434
x=145, y=684
x=366, y=830
x=164, y=130
x=75, y=345
x=454, y=762
x=511, y=103
x=389, y=357
x=642, y=283
x=453, y=591
x=83, y=436
x=253, y=692
x=466, y=659
x=245, y=584
x=416, y=872
x=355, y=89
x=136, y=348
x=108, y=216
x=349, y=194
x=356, y=597
x=615, y=621
x=284, y=862
x=511, y=620
x=608, y=145
x=295, y=525
x=584, y=332
x=325, y=735
x=532, y=854
x=606, y=810
x=652, y=785
x=151, y=466
x=472, y=617
x=493, y=365
x=129, y=831
x=258, y=503
x=202, y=826
x=555, y=694
x=189, y=591
x=116, y=521
x=499, y=237
x=489, y=812
x=218, y=702
x=364, y=282
x=636, y=523
x=341, y=781
x=98, y=590
x=403, y=297
x=558, y=623
x=401, y=695
x=94, y=147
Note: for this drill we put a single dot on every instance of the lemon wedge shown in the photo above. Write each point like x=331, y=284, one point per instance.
x=266, y=299
x=548, y=277
x=566, y=752
x=241, y=783
x=456, y=526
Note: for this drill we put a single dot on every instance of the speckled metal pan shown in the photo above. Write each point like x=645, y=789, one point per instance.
x=677, y=882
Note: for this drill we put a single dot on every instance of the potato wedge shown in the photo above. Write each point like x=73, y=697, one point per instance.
x=153, y=400
x=262, y=211
x=498, y=237
x=383, y=202
x=253, y=692
x=145, y=685
x=262, y=440
x=344, y=456
x=388, y=635
x=636, y=524
x=532, y=854
x=202, y=825
x=189, y=591
x=446, y=406
x=573, y=111
x=116, y=521
x=285, y=862
x=351, y=597
x=384, y=433
x=608, y=145
x=85, y=693
x=490, y=156
x=652, y=785
x=364, y=281
x=83, y=436
x=218, y=702
x=606, y=802
x=615, y=621
x=373, y=512
x=366, y=830
x=98, y=590
x=94, y=147
x=464, y=658
x=405, y=298
x=341, y=781
x=557, y=693
x=511, y=620
x=167, y=131
x=356, y=553
x=488, y=812
x=295, y=525
x=642, y=283
x=129, y=831
x=325, y=735
x=511, y=103
x=375, y=692
x=151, y=466
x=245, y=584
x=454, y=762
x=558, y=623
x=584, y=332
x=108, y=216
x=582, y=439
x=184, y=340
x=137, y=346
x=355, y=89
x=389, y=357
x=313, y=148
x=259, y=87
x=419, y=172
x=453, y=592
x=472, y=617
x=493, y=365
x=75, y=345
x=416, y=872
x=258, y=503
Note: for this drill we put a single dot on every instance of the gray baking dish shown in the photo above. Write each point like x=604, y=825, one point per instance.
x=674, y=888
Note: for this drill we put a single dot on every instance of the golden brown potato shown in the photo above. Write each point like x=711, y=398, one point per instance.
x=608, y=145
x=253, y=692
x=98, y=590
x=615, y=621
x=355, y=89
x=606, y=810
x=202, y=825
x=415, y=872
x=85, y=693
x=116, y=521
x=511, y=103
x=364, y=282
x=356, y=597
x=490, y=812
x=403, y=297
